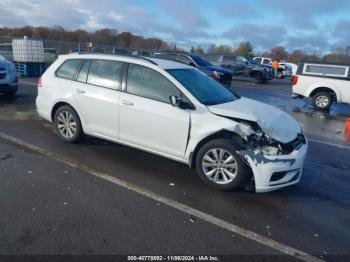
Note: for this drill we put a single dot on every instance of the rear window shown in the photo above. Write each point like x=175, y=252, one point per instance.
x=258, y=60
x=329, y=70
x=68, y=69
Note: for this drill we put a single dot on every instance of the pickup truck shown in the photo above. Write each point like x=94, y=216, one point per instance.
x=323, y=83
x=243, y=67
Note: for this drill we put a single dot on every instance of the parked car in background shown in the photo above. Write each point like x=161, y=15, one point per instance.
x=8, y=77
x=292, y=68
x=324, y=83
x=141, y=53
x=50, y=55
x=120, y=51
x=243, y=67
x=223, y=75
x=98, y=50
x=176, y=111
x=284, y=70
x=263, y=60
x=6, y=51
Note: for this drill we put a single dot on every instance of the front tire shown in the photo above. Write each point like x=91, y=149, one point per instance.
x=12, y=92
x=259, y=78
x=68, y=125
x=219, y=166
x=322, y=100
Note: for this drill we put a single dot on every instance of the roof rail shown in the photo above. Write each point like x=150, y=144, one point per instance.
x=144, y=58
x=125, y=55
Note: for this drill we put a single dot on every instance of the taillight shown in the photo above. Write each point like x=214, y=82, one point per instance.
x=39, y=82
x=295, y=80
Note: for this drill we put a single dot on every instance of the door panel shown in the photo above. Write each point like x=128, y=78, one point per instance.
x=155, y=125
x=98, y=107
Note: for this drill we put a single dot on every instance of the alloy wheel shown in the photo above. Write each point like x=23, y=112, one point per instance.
x=66, y=124
x=219, y=165
x=322, y=101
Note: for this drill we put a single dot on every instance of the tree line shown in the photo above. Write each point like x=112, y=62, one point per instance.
x=104, y=37
x=63, y=39
x=337, y=55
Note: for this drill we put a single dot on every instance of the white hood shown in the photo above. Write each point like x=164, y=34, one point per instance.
x=273, y=122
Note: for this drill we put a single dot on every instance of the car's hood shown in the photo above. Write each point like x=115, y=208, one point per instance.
x=273, y=122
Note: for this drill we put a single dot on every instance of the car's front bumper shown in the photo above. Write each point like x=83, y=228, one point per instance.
x=275, y=172
x=8, y=82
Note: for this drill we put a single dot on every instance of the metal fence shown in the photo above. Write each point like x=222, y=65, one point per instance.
x=53, y=48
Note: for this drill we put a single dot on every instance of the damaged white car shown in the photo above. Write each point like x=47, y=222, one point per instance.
x=175, y=111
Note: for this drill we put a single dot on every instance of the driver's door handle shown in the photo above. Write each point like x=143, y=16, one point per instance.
x=127, y=103
x=80, y=91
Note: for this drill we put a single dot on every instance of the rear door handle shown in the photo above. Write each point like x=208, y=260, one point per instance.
x=127, y=103
x=80, y=91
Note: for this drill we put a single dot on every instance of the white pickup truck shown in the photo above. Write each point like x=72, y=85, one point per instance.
x=324, y=83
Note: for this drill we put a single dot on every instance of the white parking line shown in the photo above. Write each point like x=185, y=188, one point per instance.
x=171, y=203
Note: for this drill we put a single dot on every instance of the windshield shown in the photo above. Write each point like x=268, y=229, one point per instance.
x=251, y=60
x=202, y=87
x=201, y=61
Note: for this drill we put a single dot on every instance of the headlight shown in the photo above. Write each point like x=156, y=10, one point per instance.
x=265, y=144
x=270, y=150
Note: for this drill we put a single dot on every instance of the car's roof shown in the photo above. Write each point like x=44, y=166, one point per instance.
x=147, y=61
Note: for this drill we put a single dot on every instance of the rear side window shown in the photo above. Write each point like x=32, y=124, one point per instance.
x=146, y=82
x=266, y=61
x=68, y=69
x=84, y=72
x=258, y=60
x=105, y=73
x=341, y=71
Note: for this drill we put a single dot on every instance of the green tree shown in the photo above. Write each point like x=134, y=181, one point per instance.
x=198, y=50
x=279, y=53
x=245, y=49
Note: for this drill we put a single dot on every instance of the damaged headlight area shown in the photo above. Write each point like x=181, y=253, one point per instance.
x=254, y=139
x=271, y=147
x=264, y=143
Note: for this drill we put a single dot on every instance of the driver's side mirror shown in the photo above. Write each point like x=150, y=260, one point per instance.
x=175, y=101
x=180, y=103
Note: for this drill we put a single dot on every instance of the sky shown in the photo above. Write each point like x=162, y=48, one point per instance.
x=310, y=25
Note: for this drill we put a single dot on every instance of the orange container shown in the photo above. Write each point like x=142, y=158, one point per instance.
x=347, y=130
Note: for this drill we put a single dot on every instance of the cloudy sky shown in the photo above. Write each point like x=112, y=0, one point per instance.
x=310, y=25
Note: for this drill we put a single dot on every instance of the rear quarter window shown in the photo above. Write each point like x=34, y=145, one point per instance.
x=326, y=70
x=68, y=69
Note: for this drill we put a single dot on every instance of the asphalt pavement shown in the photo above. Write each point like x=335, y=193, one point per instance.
x=50, y=207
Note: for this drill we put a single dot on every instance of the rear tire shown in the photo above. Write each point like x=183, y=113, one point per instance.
x=322, y=100
x=68, y=124
x=219, y=166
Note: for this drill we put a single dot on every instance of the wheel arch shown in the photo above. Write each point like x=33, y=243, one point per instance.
x=323, y=88
x=222, y=134
x=63, y=103
x=255, y=72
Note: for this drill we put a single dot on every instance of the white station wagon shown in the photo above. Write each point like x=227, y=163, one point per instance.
x=176, y=111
